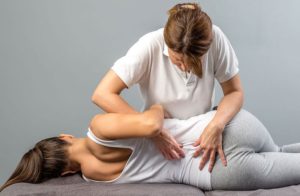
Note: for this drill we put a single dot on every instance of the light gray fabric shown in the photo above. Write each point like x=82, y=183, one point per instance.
x=254, y=160
x=285, y=191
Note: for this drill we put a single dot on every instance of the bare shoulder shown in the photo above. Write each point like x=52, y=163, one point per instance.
x=98, y=150
x=97, y=123
x=98, y=170
x=90, y=168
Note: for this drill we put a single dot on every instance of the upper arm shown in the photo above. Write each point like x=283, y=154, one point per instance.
x=110, y=83
x=121, y=126
x=225, y=59
x=231, y=85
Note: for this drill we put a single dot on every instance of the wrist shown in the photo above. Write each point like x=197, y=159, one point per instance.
x=158, y=108
x=216, y=125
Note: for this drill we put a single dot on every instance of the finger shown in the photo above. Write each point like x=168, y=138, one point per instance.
x=175, y=154
x=170, y=155
x=212, y=160
x=166, y=155
x=198, y=151
x=197, y=142
x=222, y=156
x=177, y=147
x=179, y=151
x=204, y=159
x=174, y=142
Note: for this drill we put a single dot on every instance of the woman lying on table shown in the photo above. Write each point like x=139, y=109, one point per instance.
x=119, y=149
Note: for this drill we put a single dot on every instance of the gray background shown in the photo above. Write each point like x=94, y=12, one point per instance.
x=53, y=54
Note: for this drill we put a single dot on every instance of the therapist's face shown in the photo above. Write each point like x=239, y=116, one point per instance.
x=177, y=59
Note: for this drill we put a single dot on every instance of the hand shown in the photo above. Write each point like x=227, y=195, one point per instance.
x=168, y=146
x=211, y=142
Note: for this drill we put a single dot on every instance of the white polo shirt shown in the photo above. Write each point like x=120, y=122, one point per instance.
x=147, y=64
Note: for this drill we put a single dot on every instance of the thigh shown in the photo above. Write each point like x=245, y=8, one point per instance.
x=249, y=171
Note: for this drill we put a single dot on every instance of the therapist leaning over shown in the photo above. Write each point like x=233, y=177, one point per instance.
x=176, y=66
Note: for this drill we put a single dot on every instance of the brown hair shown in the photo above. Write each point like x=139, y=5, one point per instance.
x=189, y=31
x=46, y=160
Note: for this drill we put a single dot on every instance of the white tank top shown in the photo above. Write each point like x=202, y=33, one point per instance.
x=146, y=163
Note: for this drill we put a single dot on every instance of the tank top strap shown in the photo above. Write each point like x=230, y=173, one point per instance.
x=119, y=143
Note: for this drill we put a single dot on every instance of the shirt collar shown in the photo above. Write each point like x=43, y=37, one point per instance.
x=165, y=51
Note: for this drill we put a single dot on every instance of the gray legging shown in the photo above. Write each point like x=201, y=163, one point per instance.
x=253, y=159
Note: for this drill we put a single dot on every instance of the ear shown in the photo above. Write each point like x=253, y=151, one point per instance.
x=66, y=135
x=67, y=172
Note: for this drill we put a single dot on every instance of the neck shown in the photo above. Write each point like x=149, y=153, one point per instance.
x=76, y=151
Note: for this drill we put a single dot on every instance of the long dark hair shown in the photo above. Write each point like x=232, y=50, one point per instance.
x=189, y=31
x=48, y=159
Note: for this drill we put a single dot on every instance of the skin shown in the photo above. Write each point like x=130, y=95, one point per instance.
x=107, y=96
x=103, y=163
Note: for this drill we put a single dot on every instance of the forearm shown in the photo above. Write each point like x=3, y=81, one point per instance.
x=121, y=126
x=228, y=107
x=113, y=103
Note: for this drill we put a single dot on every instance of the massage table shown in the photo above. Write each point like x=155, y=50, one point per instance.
x=75, y=186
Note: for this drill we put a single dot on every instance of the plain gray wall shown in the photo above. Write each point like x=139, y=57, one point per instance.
x=53, y=54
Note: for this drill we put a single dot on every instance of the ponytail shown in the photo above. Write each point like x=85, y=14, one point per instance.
x=46, y=160
x=28, y=170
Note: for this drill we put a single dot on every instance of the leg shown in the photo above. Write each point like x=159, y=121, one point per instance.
x=254, y=160
x=250, y=170
x=292, y=148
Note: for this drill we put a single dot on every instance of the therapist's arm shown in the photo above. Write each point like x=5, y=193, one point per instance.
x=107, y=95
x=210, y=141
x=231, y=103
x=123, y=126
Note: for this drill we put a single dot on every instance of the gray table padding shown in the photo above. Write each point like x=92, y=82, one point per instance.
x=75, y=186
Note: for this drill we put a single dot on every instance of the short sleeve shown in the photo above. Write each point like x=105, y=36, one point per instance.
x=134, y=66
x=225, y=60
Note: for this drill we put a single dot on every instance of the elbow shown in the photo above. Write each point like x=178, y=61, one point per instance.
x=241, y=98
x=98, y=97
x=95, y=97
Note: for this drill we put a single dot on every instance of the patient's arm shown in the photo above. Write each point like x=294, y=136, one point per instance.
x=121, y=126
